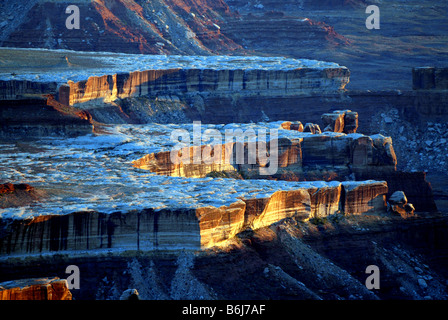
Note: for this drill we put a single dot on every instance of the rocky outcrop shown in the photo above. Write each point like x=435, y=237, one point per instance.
x=145, y=230
x=295, y=125
x=35, y=289
x=191, y=82
x=219, y=224
x=361, y=198
x=18, y=195
x=39, y=117
x=414, y=184
x=130, y=294
x=21, y=89
x=344, y=154
x=281, y=205
x=217, y=89
x=189, y=166
x=326, y=200
x=191, y=229
x=312, y=128
x=430, y=78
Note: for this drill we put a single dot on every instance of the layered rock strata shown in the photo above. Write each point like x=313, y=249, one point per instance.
x=340, y=121
x=107, y=84
x=39, y=117
x=189, y=228
x=191, y=82
x=299, y=153
x=133, y=26
x=35, y=289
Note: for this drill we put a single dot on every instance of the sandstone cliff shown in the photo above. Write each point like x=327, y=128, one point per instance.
x=35, y=289
x=190, y=82
x=38, y=117
x=299, y=154
x=18, y=195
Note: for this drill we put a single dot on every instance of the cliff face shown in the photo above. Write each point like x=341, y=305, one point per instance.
x=191, y=229
x=341, y=153
x=35, y=289
x=211, y=88
x=190, y=82
x=41, y=117
x=363, y=198
x=17, y=89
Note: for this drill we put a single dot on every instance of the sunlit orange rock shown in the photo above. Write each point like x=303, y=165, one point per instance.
x=35, y=289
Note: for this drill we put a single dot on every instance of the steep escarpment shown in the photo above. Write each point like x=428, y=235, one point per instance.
x=289, y=260
x=186, y=228
x=191, y=82
x=343, y=154
x=212, y=88
x=18, y=195
x=156, y=27
x=299, y=155
x=35, y=289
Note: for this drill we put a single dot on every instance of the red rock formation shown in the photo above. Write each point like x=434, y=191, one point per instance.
x=116, y=25
x=362, y=198
x=204, y=18
x=186, y=82
x=18, y=195
x=35, y=289
x=281, y=205
x=296, y=125
x=345, y=121
x=193, y=161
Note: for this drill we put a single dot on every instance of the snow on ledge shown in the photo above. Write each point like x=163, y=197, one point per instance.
x=107, y=63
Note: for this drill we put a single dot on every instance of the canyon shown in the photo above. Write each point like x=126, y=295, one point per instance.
x=35, y=289
x=356, y=133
